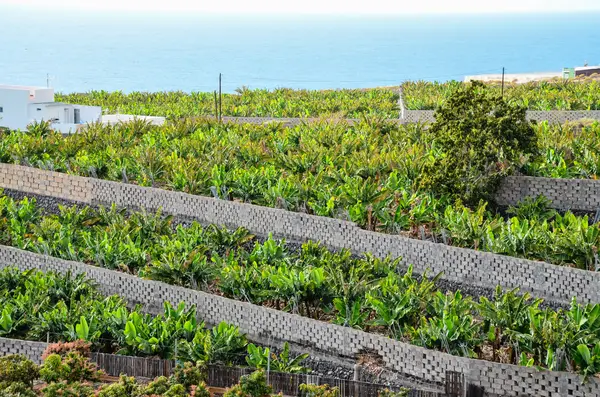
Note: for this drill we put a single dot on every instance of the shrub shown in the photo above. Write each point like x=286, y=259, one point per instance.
x=388, y=393
x=126, y=387
x=80, y=346
x=190, y=374
x=16, y=389
x=176, y=390
x=71, y=368
x=18, y=368
x=158, y=386
x=253, y=385
x=319, y=391
x=64, y=389
x=480, y=137
x=199, y=390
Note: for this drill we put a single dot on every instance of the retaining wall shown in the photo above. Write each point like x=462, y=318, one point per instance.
x=566, y=194
x=553, y=116
x=31, y=350
x=260, y=322
x=483, y=269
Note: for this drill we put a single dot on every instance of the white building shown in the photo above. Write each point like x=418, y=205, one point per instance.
x=21, y=106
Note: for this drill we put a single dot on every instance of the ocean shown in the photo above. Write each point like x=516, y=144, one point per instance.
x=154, y=52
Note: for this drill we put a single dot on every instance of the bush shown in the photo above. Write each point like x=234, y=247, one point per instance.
x=199, y=390
x=480, y=137
x=253, y=385
x=176, y=390
x=79, y=346
x=389, y=393
x=190, y=374
x=16, y=389
x=158, y=386
x=64, y=389
x=18, y=368
x=126, y=387
x=319, y=391
x=73, y=367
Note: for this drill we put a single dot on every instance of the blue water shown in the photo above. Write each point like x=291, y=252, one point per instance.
x=112, y=51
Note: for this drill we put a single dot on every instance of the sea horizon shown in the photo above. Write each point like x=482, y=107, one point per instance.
x=144, y=51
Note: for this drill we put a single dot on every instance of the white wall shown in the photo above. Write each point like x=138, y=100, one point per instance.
x=14, y=108
x=112, y=119
x=89, y=114
x=42, y=95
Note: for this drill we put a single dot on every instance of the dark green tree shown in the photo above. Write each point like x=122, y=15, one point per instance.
x=480, y=137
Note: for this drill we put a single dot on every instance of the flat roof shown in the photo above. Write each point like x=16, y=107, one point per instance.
x=22, y=87
x=587, y=68
x=52, y=103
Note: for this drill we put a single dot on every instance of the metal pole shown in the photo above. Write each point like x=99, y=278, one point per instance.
x=503, y=82
x=269, y=362
x=216, y=106
x=220, y=100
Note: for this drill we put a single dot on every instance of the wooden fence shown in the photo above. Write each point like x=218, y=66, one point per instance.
x=139, y=367
x=224, y=377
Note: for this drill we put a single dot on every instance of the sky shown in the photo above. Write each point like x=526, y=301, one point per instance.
x=317, y=6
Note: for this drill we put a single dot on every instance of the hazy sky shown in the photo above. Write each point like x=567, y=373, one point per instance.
x=319, y=6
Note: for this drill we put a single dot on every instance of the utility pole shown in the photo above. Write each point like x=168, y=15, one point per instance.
x=220, y=100
x=502, y=82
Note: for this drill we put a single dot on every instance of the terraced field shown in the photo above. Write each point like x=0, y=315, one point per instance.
x=374, y=172
x=360, y=292
x=247, y=103
x=557, y=95
x=369, y=173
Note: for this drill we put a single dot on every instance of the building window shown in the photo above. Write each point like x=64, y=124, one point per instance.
x=1, y=109
x=39, y=109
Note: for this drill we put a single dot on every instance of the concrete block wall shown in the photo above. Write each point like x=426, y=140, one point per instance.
x=260, y=322
x=478, y=268
x=31, y=180
x=566, y=194
x=31, y=350
x=552, y=117
x=483, y=269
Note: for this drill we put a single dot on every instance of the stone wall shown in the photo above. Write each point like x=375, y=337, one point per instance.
x=566, y=194
x=260, y=322
x=477, y=268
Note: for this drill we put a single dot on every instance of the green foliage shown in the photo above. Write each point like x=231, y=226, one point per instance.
x=480, y=137
x=16, y=389
x=200, y=390
x=543, y=95
x=125, y=387
x=281, y=102
x=389, y=393
x=189, y=374
x=68, y=389
x=222, y=345
x=158, y=386
x=253, y=385
x=319, y=391
x=258, y=357
x=70, y=368
x=18, y=368
x=534, y=208
x=370, y=172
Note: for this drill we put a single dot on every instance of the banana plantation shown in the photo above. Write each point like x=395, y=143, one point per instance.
x=581, y=94
x=244, y=102
x=363, y=292
x=51, y=307
x=370, y=173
